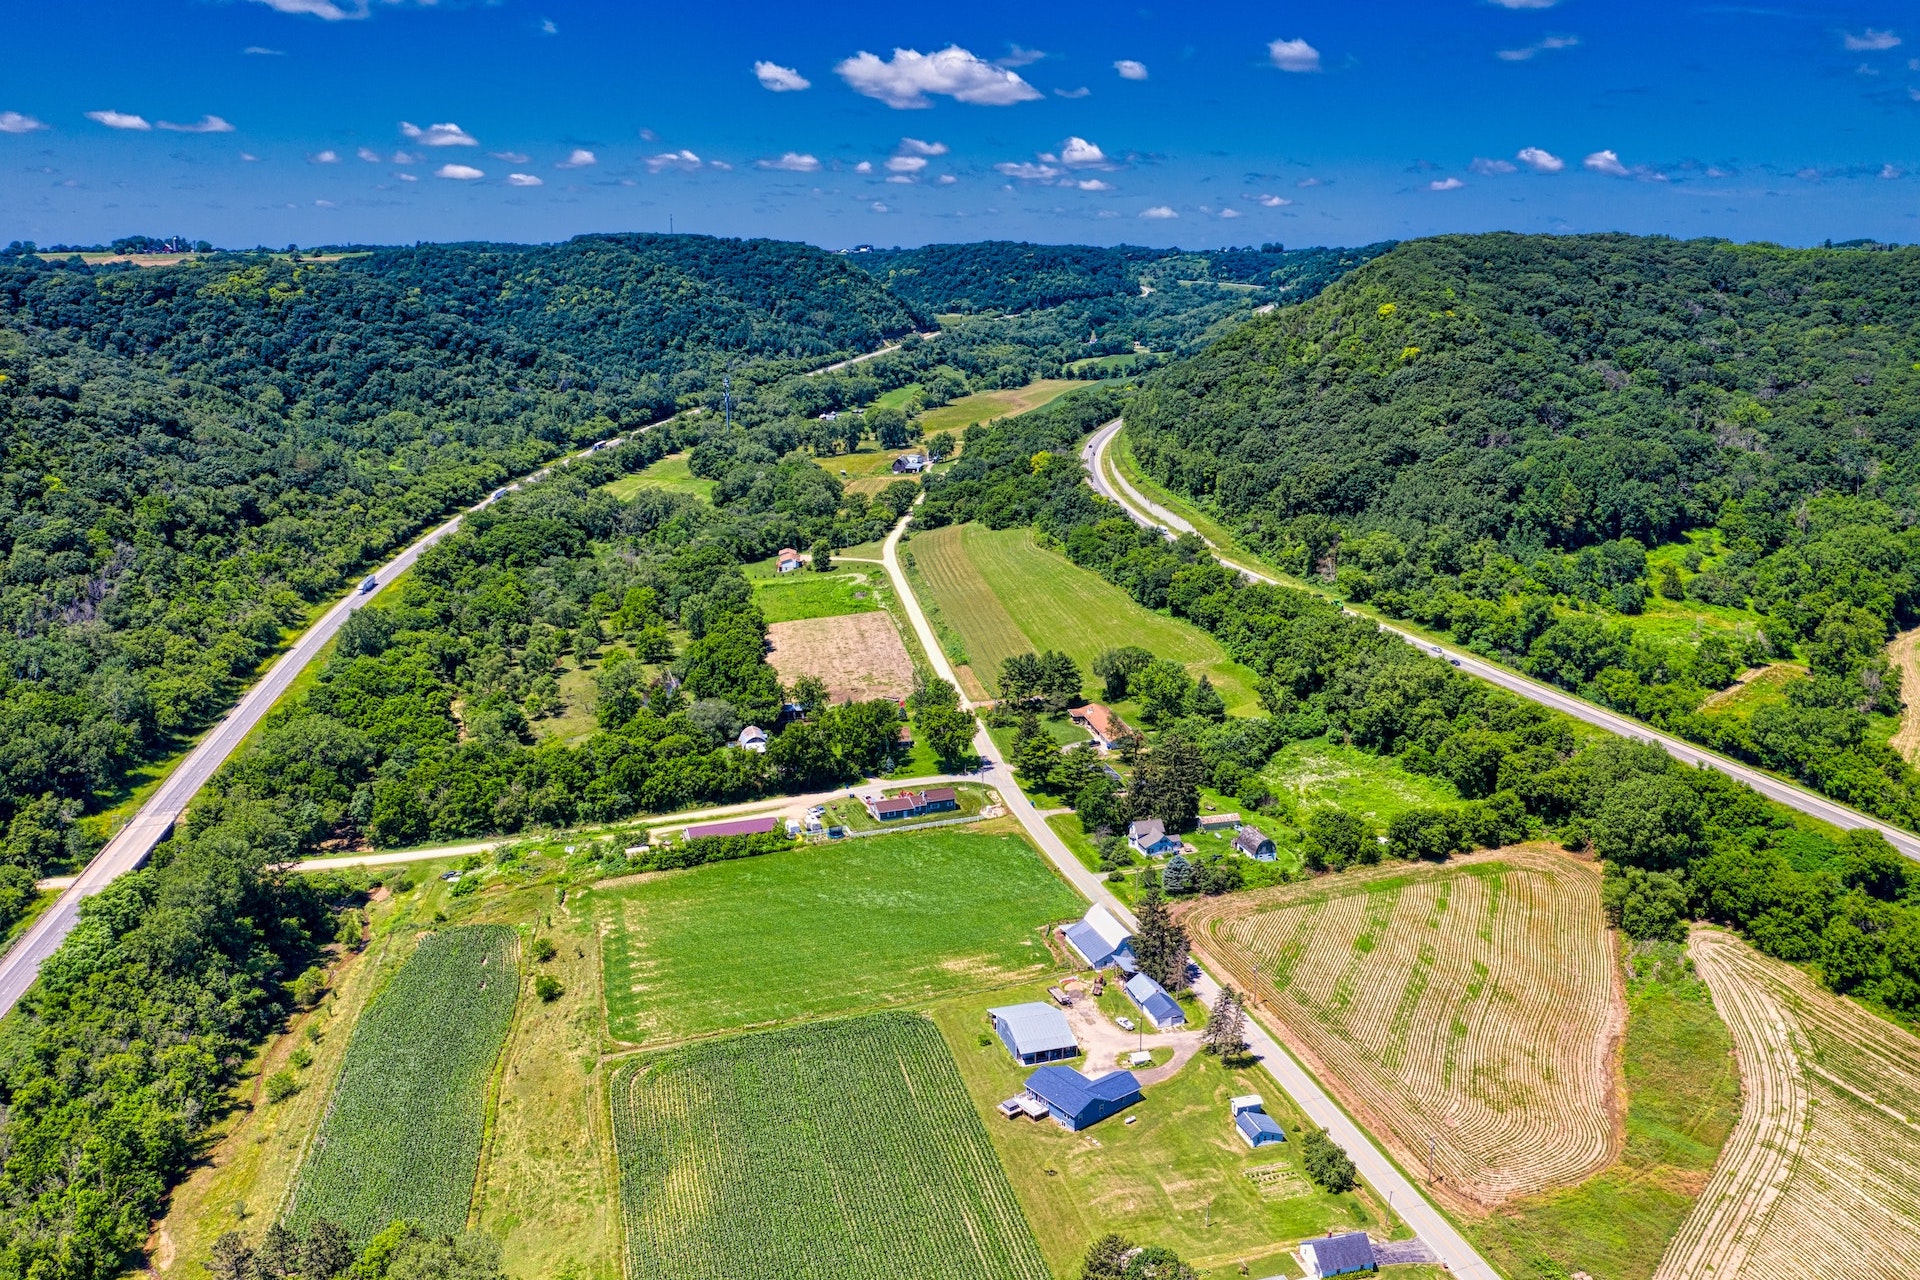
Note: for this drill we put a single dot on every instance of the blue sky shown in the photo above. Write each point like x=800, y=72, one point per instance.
x=326, y=121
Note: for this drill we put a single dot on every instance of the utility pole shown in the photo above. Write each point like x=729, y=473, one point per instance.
x=726, y=382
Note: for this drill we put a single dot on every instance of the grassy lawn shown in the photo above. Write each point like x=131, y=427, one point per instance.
x=805, y=594
x=1002, y=593
x=669, y=473
x=1178, y=1176
x=1683, y=1095
x=1319, y=772
x=1106, y=366
x=897, y=397
x=826, y=929
x=1060, y=728
x=575, y=723
x=984, y=406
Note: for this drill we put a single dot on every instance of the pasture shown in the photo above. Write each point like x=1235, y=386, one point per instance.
x=1317, y=773
x=669, y=473
x=1474, y=1004
x=803, y=594
x=1822, y=1171
x=824, y=930
x=1001, y=593
x=984, y=406
x=858, y=655
x=402, y=1135
x=831, y=1151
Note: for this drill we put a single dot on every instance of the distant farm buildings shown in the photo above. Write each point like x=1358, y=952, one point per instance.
x=1254, y=843
x=1340, y=1255
x=910, y=464
x=1101, y=940
x=1161, y=1010
x=1149, y=838
x=1034, y=1033
x=911, y=804
x=1074, y=1101
x=788, y=560
x=1218, y=821
x=738, y=827
x=1101, y=724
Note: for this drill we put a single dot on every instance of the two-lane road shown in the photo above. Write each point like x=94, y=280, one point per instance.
x=150, y=824
x=1109, y=483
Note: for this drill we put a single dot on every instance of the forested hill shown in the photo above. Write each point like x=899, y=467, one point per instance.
x=1004, y=275
x=195, y=454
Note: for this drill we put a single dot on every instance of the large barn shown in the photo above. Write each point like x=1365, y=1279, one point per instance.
x=1102, y=941
x=1034, y=1033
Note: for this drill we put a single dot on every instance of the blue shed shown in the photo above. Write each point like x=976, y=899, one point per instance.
x=1259, y=1128
x=1152, y=1000
x=1077, y=1102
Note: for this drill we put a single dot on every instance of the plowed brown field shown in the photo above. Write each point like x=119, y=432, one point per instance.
x=1474, y=1005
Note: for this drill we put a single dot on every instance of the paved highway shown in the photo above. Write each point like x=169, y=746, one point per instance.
x=1406, y=1199
x=1107, y=481
x=154, y=819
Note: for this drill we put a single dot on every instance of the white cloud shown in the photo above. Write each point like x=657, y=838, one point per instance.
x=324, y=157
x=946, y=179
x=1606, y=162
x=462, y=172
x=904, y=81
x=1229, y=213
x=906, y=164
x=721, y=165
x=1019, y=57
x=325, y=10
x=261, y=51
x=548, y=27
x=1294, y=55
x=1026, y=171
x=1308, y=182
x=901, y=179
x=683, y=160
x=792, y=162
x=780, y=79
x=248, y=156
x=14, y=122
x=205, y=124
x=118, y=120
x=1445, y=184
x=524, y=180
x=1526, y=53
x=1869, y=41
x=1131, y=70
x=1081, y=92
x=1540, y=161
x=878, y=207
x=438, y=135
x=1271, y=201
x=1158, y=212
x=865, y=166
x=511, y=157
x=1490, y=168
x=325, y=204
x=1889, y=172
x=407, y=177
x=1093, y=184
x=1078, y=153
x=580, y=158
x=915, y=147
x=403, y=157
x=370, y=155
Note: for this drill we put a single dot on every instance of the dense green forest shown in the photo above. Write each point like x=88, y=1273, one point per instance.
x=197, y=455
x=1678, y=843
x=1507, y=437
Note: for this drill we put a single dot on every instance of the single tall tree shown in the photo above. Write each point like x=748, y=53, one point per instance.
x=1226, y=1032
x=1160, y=944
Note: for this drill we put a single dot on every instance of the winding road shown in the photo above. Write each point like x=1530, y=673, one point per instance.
x=1109, y=483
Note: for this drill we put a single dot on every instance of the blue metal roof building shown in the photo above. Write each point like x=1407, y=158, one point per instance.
x=1101, y=940
x=1338, y=1255
x=1034, y=1033
x=1152, y=1000
x=1077, y=1102
x=1259, y=1128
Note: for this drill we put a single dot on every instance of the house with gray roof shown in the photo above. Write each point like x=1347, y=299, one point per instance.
x=1338, y=1255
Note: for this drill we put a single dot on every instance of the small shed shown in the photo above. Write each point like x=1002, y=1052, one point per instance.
x=1219, y=821
x=1077, y=1102
x=1149, y=838
x=1254, y=843
x=1338, y=1255
x=1154, y=1004
x=1101, y=940
x=752, y=738
x=1246, y=1102
x=1259, y=1128
x=1034, y=1033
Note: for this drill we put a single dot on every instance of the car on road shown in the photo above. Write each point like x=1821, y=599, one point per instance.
x=369, y=584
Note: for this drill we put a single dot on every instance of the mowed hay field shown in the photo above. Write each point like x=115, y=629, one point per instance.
x=401, y=1138
x=826, y=929
x=832, y=1151
x=1821, y=1176
x=1473, y=1003
x=857, y=655
x=984, y=406
x=982, y=580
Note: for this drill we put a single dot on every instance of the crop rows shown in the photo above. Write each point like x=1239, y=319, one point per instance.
x=1823, y=1169
x=401, y=1137
x=1473, y=1005
x=831, y=1151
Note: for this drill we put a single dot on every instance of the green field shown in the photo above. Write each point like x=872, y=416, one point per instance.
x=402, y=1135
x=1178, y=1176
x=827, y=929
x=981, y=581
x=833, y=1151
x=1319, y=772
x=984, y=406
x=1683, y=1095
x=806, y=594
x=669, y=473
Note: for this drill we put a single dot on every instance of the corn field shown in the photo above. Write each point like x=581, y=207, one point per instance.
x=832, y=1151
x=401, y=1137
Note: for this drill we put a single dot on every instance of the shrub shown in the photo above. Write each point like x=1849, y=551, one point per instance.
x=543, y=949
x=282, y=1084
x=548, y=988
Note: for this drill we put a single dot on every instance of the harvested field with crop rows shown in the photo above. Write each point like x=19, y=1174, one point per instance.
x=1475, y=1004
x=401, y=1138
x=1823, y=1169
x=832, y=1151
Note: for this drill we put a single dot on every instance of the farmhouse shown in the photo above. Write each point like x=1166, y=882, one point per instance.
x=752, y=738
x=911, y=804
x=1154, y=1004
x=1218, y=821
x=789, y=560
x=1101, y=940
x=910, y=464
x=1100, y=723
x=1149, y=838
x=1254, y=843
x=1254, y=1124
x=1077, y=1102
x=738, y=827
x=1034, y=1033
x=1339, y=1255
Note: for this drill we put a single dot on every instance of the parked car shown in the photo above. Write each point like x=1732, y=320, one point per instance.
x=1126, y=1024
